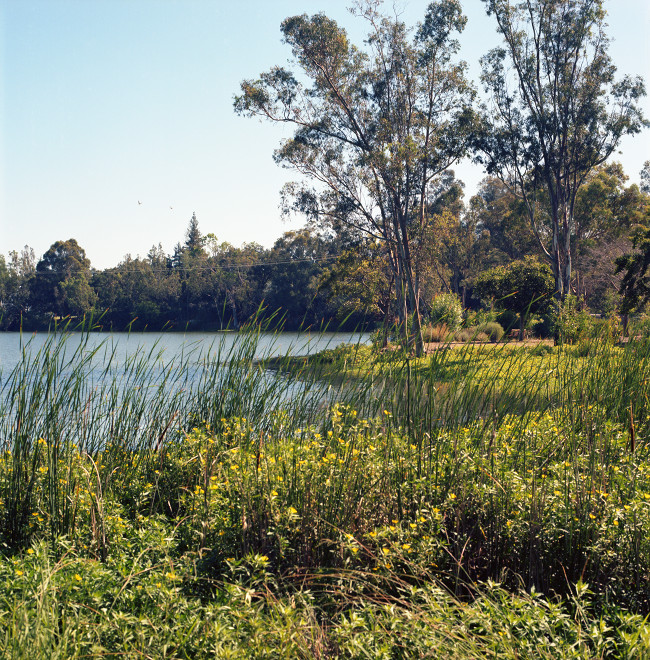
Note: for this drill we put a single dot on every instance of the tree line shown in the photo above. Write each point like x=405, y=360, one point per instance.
x=316, y=278
x=203, y=284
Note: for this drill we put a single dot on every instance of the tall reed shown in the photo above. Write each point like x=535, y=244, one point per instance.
x=71, y=397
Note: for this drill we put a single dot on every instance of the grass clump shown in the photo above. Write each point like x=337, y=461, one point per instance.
x=436, y=333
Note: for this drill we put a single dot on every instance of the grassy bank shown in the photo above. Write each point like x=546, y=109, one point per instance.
x=472, y=503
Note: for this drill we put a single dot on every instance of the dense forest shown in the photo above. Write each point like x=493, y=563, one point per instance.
x=315, y=277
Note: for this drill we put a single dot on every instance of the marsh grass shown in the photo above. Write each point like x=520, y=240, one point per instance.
x=341, y=504
x=72, y=396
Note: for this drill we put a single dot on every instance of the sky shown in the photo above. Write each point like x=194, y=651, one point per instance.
x=117, y=122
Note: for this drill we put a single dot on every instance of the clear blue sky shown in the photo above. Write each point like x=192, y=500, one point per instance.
x=105, y=103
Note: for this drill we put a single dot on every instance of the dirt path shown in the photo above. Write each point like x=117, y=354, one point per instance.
x=436, y=346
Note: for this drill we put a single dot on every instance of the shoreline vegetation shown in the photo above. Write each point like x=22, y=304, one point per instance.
x=353, y=504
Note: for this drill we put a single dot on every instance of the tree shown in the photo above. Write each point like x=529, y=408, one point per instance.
x=360, y=284
x=606, y=211
x=645, y=178
x=557, y=111
x=16, y=276
x=605, y=208
x=524, y=287
x=294, y=287
x=500, y=216
x=237, y=278
x=138, y=293
x=635, y=286
x=194, y=240
x=374, y=129
x=61, y=286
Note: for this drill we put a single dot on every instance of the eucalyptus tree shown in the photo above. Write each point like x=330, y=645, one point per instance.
x=556, y=112
x=645, y=177
x=374, y=127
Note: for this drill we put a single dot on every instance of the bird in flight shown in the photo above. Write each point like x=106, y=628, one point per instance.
x=139, y=203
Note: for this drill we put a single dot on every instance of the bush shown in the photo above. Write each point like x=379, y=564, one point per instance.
x=446, y=308
x=466, y=334
x=471, y=334
x=435, y=333
x=508, y=319
x=493, y=330
x=474, y=319
x=543, y=327
x=572, y=323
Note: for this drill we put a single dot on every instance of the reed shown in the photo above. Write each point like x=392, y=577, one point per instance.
x=350, y=477
x=72, y=397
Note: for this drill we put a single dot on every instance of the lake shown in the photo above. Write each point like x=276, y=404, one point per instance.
x=119, y=346
x=134, y=389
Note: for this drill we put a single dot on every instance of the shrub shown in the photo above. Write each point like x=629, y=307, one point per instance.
x=572, y=323
x=508, y=319
x=543, y=326
x=474, y=319
x=471, y=334
x=493, y=330
x=466, y=334
x=435, y=333
x=446, y=308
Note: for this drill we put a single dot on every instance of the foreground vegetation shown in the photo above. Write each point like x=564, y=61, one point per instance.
x=475, y=503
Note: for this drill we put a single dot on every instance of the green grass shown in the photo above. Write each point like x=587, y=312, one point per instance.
x=474, y=503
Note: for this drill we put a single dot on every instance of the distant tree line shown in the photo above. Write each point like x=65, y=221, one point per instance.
x=316, y=278
x=203, y=284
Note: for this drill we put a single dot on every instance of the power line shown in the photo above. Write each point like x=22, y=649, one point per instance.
x=187, y=269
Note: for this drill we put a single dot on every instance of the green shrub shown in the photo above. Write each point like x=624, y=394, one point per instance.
x=446, y=308
x=493, y=330
x=467, y=334
x=471, y=334
x=543, y=326
x=508, y=319
x=573, y=324
x=474, y=319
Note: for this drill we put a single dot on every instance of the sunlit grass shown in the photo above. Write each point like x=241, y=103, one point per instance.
x=157, y=504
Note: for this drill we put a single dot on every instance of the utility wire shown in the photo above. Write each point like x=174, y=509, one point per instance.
x=220, y=267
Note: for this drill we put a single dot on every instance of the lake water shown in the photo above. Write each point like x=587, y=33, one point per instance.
x=133, y=389
x=167, y=346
